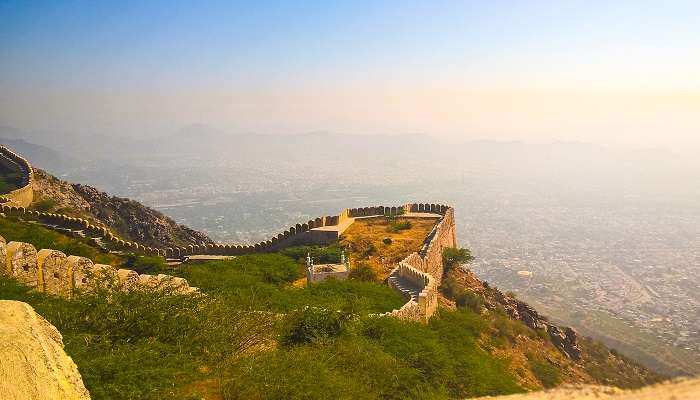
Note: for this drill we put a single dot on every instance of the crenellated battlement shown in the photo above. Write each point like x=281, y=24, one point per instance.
x=23, y=196
x=53, y=272
x=424, y=269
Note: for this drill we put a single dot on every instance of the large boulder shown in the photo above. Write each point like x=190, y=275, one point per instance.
x=33, y=364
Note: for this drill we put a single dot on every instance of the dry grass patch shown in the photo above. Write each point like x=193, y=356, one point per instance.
x=367, y=240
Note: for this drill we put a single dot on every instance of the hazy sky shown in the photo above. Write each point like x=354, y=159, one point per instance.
x=621, y=72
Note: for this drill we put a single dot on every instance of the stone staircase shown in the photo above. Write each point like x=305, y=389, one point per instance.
x=403, y=285
x=97, y=241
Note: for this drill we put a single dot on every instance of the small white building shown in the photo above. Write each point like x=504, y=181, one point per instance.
x=320, y=272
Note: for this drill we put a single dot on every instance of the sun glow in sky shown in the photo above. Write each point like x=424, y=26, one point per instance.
x=612, y=72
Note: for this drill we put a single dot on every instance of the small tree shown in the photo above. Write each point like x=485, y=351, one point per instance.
x=453, y=257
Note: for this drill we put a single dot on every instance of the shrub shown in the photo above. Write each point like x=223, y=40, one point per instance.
x=44, y=205
x=445, y=352
x=453, y=257
x=364, y=247
x=450, y=287
x=363, y=272
x=469, y=300
x=321, y=255
x=311, y=324
x=545, y=372
x=140, y=343
x=395, y=226
x=345, y=368
x=145, y=264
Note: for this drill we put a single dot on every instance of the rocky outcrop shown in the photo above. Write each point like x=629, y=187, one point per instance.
x=564, y=338
x=144, y=225
x=685, y=389
x=128, y=219
x=33, y=364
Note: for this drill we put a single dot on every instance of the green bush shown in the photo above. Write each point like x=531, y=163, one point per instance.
x=346, y=368
x=139, y=344
x=395, y=226
x=321, y=255
x=450, y=287
x=310, y=324
x=452, y=257
x=145, y=264
x=470, y=300
x=13, y=229
x=446, y=352
x=547, y=373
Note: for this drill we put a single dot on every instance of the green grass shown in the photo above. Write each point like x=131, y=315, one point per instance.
x=547, y=373
x=264, y=280
x=141, y=344
x=13, y=229
x=320, y=254
x=254, y=335
x=374, y=358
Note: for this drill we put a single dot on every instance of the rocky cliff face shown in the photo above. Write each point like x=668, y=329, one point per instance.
x=564, y=338
x=128, y=218
x=33, y=364
x=142, y=224
x=604, y=366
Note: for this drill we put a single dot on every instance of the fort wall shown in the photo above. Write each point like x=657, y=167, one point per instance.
x=53, y=272
x=424, y=269
x=56, y=275
x=23, y=196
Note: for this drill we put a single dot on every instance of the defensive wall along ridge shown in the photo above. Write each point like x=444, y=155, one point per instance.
x=23, y=196
x=418, y=276
x=319, y=231
x=423, y=272
x=53, y=272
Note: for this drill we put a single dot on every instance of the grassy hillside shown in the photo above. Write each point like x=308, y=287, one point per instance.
x=14, y=229
x=142, y=345
x=256, y=335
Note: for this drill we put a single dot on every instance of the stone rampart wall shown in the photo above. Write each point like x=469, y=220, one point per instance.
x=425, y=268
x=55, y=273
x=23, y=196
x=303, y=234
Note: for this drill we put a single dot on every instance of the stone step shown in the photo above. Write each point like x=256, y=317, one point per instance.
x=404, y=286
